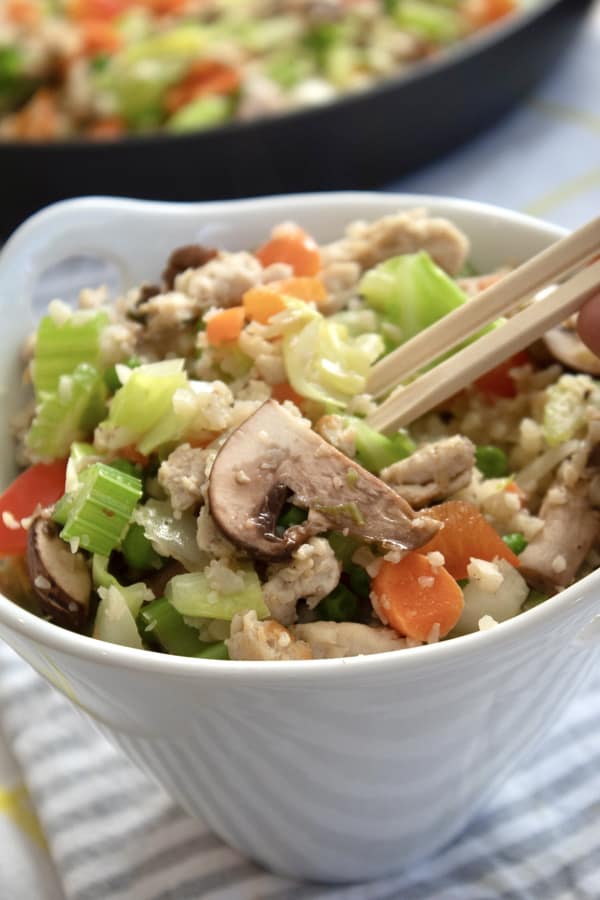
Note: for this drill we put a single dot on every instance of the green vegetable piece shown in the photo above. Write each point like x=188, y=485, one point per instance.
x=205, y=112
x=515, y=542
x=411, y=292
x=138, y=551
x=114, y=620
x=102, y=509
x=194, y=594
x=428, y=20
x=462, y=582
x=375, y=451
x=112, y=380
x=565, y=410
x=133, y=594
x=61, y=347
x=69, y=414
x=360, y=580
x=62, y=508
x=343, y=546
x=293, y=515
x=491, y=461
x=160, y=624
x=534, y=598
x=218, y=650
x=126, y=466
x=339, y=606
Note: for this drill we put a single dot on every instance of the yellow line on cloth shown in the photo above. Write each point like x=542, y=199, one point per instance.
x=562, y=194
x=563, y=113
x=15, y=803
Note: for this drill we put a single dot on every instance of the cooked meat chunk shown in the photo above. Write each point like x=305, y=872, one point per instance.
x=340, y=278
x=335, y=639
x=571, y=526
x=183, y=475
x=312, y=574
x=253, y=639
x=369, y=243
x=221, y=282
x=433, y=472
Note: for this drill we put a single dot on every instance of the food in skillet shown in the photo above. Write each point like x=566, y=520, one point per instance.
x=103, y=68
x=200, y=479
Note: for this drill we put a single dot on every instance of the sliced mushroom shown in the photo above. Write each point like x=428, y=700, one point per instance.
x=566, y=346
x=61, y=579
x=273, y=453
x=191, y=256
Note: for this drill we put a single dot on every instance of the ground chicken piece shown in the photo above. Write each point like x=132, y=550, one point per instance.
x=341, y=283
x=183, y=475
x=432, y=472
x=313, y=573
x=266, y=640
x=336, y=639
x=210, y=539
x=337, y=431
x=222, y=281
x=369, y=243
x=553, y=557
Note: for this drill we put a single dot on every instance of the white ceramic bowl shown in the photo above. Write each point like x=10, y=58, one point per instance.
x=334, y=769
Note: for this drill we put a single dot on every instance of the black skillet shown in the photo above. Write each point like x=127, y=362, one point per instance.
x=359, y=141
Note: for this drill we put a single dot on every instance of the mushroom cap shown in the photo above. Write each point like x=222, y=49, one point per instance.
x=273, y=453
x=61, y=579
x=566, y=346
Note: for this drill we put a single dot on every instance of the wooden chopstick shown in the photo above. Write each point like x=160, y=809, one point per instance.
x=554, y=263
x=460, y=370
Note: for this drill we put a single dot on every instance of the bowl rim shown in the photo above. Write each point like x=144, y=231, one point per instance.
x=426, y=657
x=464, y=49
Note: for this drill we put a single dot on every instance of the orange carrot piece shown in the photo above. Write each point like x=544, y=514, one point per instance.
x=311, y=290
x=99, y=36
x=483, y=12
x=225, y=326
x=293, y=246
x=132, y=453
x=415, y=597
x=107, y=128
x=23, y=12
x=205, y=77
x=465, y=533
x=284, y=391
x=261, y=303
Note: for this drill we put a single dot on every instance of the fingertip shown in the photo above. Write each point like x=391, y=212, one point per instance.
x=588, y=324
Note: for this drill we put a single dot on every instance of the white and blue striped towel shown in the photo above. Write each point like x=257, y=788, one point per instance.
x=78, y=821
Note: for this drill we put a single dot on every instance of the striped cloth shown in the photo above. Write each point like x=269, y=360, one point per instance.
x=78, y=821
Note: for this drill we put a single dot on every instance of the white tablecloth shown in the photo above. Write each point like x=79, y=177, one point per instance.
x=78, y=821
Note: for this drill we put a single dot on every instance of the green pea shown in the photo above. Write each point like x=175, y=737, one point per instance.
x=491, y=461
x=515, y=542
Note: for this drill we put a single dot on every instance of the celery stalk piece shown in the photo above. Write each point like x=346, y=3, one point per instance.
x=81, y=455
x=375, y=451
x=60, y=348
x=204, y=112
x=134, y=594
x=217, y=650
x=143, y=402
x=195, y=595
x=102, y=509
x=160, y=623
x=566, y=407
x=429, y=21
x=68, y=414
x=114, y=620
x=171, y=537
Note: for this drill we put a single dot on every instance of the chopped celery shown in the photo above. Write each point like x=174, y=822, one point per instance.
x=196, y=594
x=68, y=414
x=81, y=454
x=171, y=537
x=565, y=410
x=412, y=292
x=102, y=509
x=61, y=347
x=218, y=650
x=137, y=549
x=339, y=606
x=159, y=623
x=358, y=321
x=359, y=578
x=62, y=508
x=293, y=515
x=343, y=545
x=324, y=363
x=134, y=594
x=114, y=620
x=429, y=21
x=142, y=403
x=204, y=112
x=111, y=377
x=375, y=451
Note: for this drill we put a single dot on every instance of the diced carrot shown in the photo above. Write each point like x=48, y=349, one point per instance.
x=513, y=488
x=284, y=391
x=465, y=533
x=261, y=303
x=41, y=485
x=225, y=326
x=311, y=290
x=499, y=382
x=205, y=77
x=292, y=245
x=132, y=453
x=107, y=128
x=99, y=36
x=97, y=9
x=416, y=598
x=23, y=12
x=483, y=12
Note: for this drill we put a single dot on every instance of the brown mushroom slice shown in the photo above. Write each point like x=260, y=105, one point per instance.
x=273, y=453
x=566, y=346
x=190, y=256
x=61, y=579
